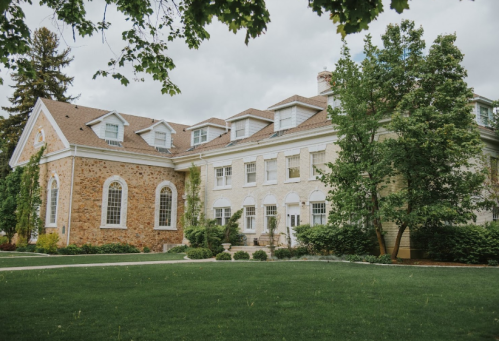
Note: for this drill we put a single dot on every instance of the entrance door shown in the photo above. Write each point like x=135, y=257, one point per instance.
x=292, y=221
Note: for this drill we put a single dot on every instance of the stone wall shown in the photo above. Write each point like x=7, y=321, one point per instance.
x=90, y=175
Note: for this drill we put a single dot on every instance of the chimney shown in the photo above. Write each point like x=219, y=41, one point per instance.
x=323, y=81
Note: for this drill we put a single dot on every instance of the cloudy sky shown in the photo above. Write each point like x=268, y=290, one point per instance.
x=225, y=77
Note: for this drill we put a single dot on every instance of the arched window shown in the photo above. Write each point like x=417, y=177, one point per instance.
x=114, y=203
x=39, y=138
x=52, y=200
x=165, y=217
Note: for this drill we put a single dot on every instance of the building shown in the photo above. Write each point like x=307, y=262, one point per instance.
x=263, y=161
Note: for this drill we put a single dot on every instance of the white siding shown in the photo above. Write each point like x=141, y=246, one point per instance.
x=303, y=114
x=149, y=136
x=214, y=132
x=251, y=126
x=100, y=128
x=277, y=117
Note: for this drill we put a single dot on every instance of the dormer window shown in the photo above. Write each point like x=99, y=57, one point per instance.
x=285, y=121
x=159, y=139
x=484, y=115
x=111, y=131
x=240, y=128
x=200, y=136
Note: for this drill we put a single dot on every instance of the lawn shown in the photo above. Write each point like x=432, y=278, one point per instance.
x=8, y=254
x=7, y=262
x=251, y=301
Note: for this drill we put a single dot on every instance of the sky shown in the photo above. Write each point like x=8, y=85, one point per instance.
x=225, y=77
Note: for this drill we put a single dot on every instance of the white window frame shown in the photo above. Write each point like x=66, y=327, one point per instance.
x=487, y=119
x=240, y=126
x=49, y=201
x=312, y=212
x=156, y=139
x=202, y=138
x=267, y=180
x=124, y=203
x=286, y=117
x=288, y=159
x=117, y=131
x=224, y=217
x=173, y=221
x=246, y=165
x=252, y=217
x=266, y=216
x=226, y=178
x=312, y=175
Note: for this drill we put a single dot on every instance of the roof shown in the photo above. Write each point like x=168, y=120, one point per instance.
x=267, y=115
x=72, y=120
x=213, y=121
x=316, y=101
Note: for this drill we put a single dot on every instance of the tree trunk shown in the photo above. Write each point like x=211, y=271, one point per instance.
x=396, y=247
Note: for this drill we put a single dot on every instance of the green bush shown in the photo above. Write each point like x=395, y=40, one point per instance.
x=224, y=256
x=260, y=255
x=40, y=250
x=349, y=239
x=71, y=249
x=385, y=259
x=299, y=251
x=493, y=262
x=178, y=249
x=4, y=240
x=30, y=248
x=209, y=236
x=355, y=258
x=90, y=249
x=371, y=259
x=241, y=255
x=471, y=244
x=118, y=248
x=47, y=243
x=199, y=253
x=282, y=253
x=146, y=249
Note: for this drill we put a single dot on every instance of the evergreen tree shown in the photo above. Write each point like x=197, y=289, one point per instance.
x=193, y=201
x=49, y=82
x=29, y=200
x=10, y=187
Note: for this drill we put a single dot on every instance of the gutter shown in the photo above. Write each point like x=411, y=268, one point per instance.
x=71, y=195
x=205, y=183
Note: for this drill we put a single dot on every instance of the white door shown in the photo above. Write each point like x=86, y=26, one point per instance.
x=292, y=221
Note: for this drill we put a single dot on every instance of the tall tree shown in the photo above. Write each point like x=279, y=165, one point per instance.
x=10, y=187
x=48, y=82
x=193, y=201
x=29, y=200
x=361, y=171
x=150, y=21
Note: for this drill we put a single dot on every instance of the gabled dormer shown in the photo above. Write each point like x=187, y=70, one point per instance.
x=482, y=108
x=109, y=127
x=248, y=122
x=295, y=110
x=158, y=135
x=206, y=131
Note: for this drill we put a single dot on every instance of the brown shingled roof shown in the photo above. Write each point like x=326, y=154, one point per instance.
x=255, y=112
x=212, y=120
x=312, y=101
x=77, y=132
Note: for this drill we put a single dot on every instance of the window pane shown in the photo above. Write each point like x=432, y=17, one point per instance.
x=159, y=139
x=250, y=172
x=318, y=162
x=271, y=170
x=111, y=131
x=53, y=202
x=114, y=204
x=228, y=176
x=293, y=167
x=165, y=207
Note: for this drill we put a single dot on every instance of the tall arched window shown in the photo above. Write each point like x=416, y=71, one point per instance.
x=114, y=203
x=165, y=215
x=52, y=201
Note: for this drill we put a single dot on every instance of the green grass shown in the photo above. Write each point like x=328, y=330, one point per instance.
x=86, y=259
x=251, y=301
x=8, y=254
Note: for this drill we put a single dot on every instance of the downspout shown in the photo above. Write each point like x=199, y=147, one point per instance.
x=71, y=195
x=205, y=183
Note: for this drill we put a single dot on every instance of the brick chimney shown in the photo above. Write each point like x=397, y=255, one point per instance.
x=323, y=81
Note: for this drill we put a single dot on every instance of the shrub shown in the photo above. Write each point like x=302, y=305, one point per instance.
x=199, y=253
x=118, y=248
x=8, y=247
x=260, y=255
x=355, y=258
x=241, y=255
x=209, y=236
x=492, y=262
x=47, y=243
x=224, y=256
x=371, y=259
x=71, y=249
x=299, y=251
x=282, y=253
x=30, y=248
x=146, y=249
x=385, y=259
x=466, y=244
x=178, y=249
x=4, y=240
x=89, y=249
x=349, y=239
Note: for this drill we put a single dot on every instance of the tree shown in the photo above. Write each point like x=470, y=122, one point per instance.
x=150, y=21
x=360, y=172
x=193, y=201
x=29, y=200
x=48, y=82
x=426, y=149
x=10, y=187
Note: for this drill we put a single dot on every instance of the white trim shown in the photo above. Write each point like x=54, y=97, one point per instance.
x=249, y=159
x=101, y=118
x=39, y=107
x=317, y=148
x=297, y=103
x=145, y=130
x=207, y=124
x=245, y=220
x=292, y=198
x=173, y=225
x=269, y=200
x=249, y=116
x=42, y=142
x=48, y=207
x=221, y=203
x=222, y=164
x=296, y=179
x=124, y=203
x=270, y=156
x=292, y=152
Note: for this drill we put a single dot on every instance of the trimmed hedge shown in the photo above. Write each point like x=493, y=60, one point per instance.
x=260, y=255
x=90, y=249
x=178, y=249
x=199, y=253
x=241, y=255
x=224, y=256
x=282, y=253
